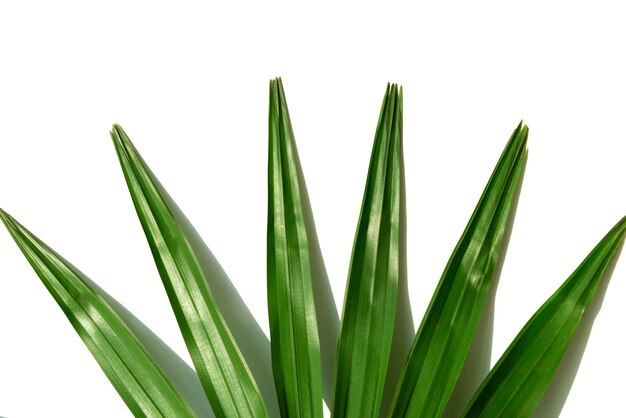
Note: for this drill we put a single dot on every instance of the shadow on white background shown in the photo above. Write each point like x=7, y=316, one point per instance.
x=255, y=345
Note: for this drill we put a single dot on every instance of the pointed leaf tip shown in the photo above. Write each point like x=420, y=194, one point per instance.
x=9, y=222
x=117, y=132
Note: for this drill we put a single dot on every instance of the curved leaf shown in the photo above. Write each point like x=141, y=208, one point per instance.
x=518, y=381
x=133, y=372
x=225, y=377
x=445, y=335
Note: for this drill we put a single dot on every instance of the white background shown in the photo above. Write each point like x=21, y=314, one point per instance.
x=189, y=83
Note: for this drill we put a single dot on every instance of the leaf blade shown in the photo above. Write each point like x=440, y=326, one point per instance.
x=224, y=375
x=131, y=369
x=443, y=339
x=368, y=321
x=296, y=361
x=516, y=384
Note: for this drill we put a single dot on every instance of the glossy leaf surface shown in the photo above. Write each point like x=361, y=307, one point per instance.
x=295, y=344
x=445, y=335
x=518, y=381
x=371, y=295
x=133, y=372
x=225, y=377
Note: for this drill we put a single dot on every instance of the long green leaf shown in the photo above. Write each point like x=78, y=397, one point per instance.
x=225, y=377
x=371, y=296
x=133, y=372
x=445, y=335
x=296, y=359
x=518, y=381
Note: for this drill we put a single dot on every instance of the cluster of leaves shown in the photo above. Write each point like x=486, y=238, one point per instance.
x=513, y=387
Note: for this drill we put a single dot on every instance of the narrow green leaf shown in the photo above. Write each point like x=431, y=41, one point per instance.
x=445, y=335
x=225, y=377
x=133, y=372
x=371, y=296
x=518, y=381
x=296, y=359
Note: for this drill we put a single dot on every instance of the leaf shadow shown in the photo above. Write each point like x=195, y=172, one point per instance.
x=404, y=328
x=325, y=306
x=182, y=375
x=478, y=361
x=558, y=391
x=250, y=338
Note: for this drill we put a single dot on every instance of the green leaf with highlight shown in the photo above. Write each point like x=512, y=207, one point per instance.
x=131, y=369
x=296, y=361
x=518, y=381
x=446, y=332
x=371, y=297
x=225, y=377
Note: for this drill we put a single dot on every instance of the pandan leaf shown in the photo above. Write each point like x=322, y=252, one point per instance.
x=445, y=334
x=133, y=372
x=370, y=303
x=518, y=381
x=225, y=377
x=296, y=359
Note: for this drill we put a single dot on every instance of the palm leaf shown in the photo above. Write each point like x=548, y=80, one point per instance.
x=133, y=372
x=371, y=296
x=517, y=382
x=225, y=377
x=296, y=359
x=445, y=335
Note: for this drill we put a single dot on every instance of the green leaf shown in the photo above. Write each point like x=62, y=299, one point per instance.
x=445, y=334
x=133, y=372
x=518, y=381
x=225, y=377
x=371, y=296
x=296, y=359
